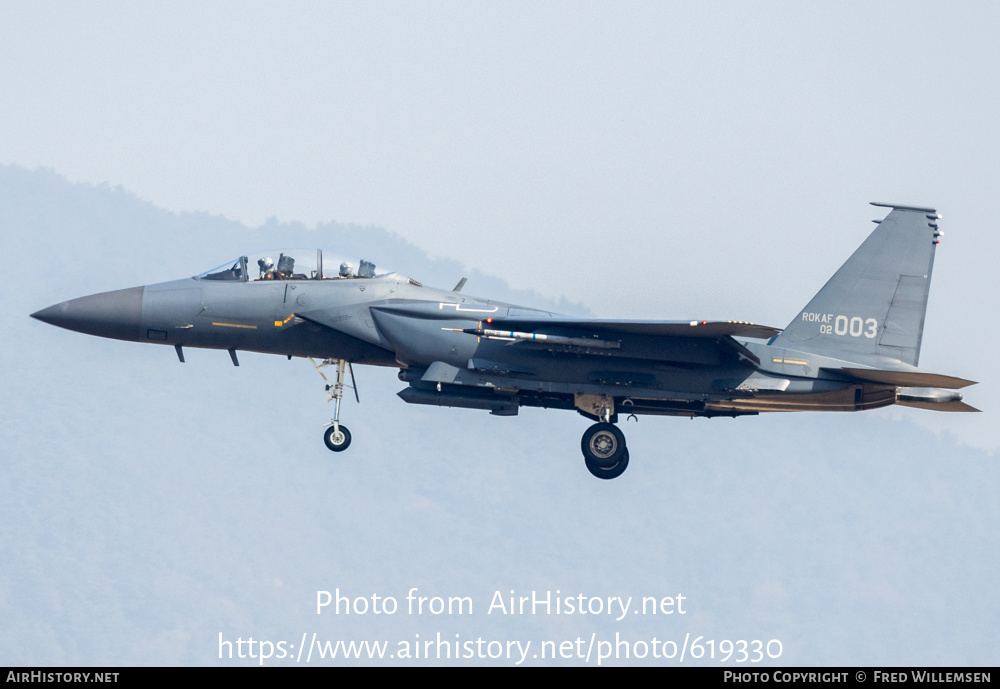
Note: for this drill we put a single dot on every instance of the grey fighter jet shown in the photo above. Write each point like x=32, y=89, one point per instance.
x=854, y=346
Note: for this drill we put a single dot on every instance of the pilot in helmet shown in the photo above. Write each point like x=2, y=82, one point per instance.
x=266, y=266
x=346, y=270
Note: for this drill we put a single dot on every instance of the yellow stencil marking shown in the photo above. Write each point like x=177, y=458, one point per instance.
x=235, y=325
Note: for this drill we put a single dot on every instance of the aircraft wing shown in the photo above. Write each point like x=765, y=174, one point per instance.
x=688, y=342
x=709, y=329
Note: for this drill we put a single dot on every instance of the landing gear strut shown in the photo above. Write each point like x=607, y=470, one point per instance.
x=604, y=450
x=336, y=437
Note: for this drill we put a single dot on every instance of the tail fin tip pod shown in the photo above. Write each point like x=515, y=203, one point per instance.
x=872, y=310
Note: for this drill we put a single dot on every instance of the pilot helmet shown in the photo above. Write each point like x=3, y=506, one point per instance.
x=265, y=264
x=346, y=270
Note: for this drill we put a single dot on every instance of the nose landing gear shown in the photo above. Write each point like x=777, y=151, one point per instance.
x=336, y=437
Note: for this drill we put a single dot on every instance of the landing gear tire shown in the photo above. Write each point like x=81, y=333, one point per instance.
x=603, y=445
x=338, y=441
x=609, y=472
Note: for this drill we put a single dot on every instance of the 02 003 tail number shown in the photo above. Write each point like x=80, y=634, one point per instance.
x=853, y=326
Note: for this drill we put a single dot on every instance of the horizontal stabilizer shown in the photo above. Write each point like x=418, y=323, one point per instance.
x=634, y=327
x=939, y=406
x=915, y=379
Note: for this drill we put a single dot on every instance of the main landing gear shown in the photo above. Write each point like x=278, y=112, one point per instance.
x=604, y=450
x=603, y=444
x=336, y=437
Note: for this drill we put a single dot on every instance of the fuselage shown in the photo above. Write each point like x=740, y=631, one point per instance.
x=392, y=320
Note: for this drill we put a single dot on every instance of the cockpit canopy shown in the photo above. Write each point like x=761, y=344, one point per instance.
x=293, y=264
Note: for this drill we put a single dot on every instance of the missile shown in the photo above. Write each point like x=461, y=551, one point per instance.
x=515, y=336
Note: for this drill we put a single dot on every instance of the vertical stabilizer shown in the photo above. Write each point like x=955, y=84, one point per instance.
x=872, y=310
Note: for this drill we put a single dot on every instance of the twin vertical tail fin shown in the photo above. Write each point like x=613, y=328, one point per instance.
x=872, y=310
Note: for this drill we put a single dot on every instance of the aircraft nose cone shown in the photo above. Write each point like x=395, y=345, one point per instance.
x=108, y=314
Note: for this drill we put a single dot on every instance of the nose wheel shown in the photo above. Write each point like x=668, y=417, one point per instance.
x=604, y=450
x=336, y=436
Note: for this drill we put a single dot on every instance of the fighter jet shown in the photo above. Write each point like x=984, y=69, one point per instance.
x=854, y=346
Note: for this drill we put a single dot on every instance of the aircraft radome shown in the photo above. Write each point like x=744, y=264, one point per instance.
x=854, y=346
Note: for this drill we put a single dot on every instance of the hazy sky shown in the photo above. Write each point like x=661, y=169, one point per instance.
x=505, y=134
x=656, y=160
